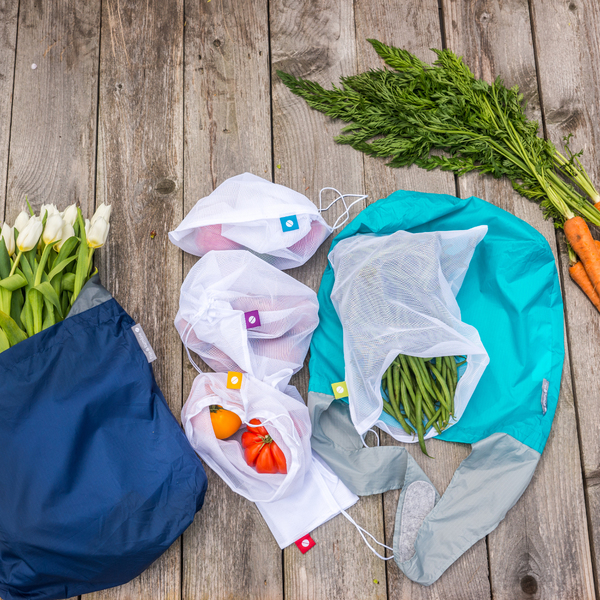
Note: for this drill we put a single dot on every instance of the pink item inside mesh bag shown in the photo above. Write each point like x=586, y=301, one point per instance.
x=274, y=222
x=221, y=295
x=286, y=419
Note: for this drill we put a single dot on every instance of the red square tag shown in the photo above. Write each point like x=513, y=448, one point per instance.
x=305, y=543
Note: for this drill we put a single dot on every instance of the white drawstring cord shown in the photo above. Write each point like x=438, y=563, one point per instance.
x=189, y=327
x=362, y=532
x=362, y=437
x=346, y=214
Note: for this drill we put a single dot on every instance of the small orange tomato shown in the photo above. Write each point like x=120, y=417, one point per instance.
x=225, y=423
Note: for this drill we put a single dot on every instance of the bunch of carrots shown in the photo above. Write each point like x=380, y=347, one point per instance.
x=441, y=116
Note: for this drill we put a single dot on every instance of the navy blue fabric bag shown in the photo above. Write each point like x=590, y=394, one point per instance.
x=97, y=479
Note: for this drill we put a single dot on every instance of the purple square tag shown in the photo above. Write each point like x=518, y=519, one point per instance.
x=252, y=319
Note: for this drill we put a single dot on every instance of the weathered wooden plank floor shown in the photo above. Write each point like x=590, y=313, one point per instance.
x=150, y=105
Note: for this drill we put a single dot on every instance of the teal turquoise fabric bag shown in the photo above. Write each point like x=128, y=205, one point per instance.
x=511, y=295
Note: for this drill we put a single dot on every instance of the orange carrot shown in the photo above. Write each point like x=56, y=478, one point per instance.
x=597, y=205
x=581, y=240
x=579, y=276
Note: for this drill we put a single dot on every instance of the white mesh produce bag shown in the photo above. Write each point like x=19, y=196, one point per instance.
x=396, y=295
x=285, y=418
x=277, y=223
x=239, y=313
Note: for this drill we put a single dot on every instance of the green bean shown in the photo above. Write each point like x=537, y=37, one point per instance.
x=443, y=385
x=451, y=362
x=414, y=362
x=419, y=425
x=390, y=385
x=388, y=410
x=396, y=381
x=408, y=409
x=438, y=363
x=438, y=412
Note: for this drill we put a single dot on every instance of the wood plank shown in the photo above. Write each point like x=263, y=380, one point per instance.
x=540, y=549
x=8, y=49
x=140, y=172
x=415, y=26
x=53, y=135
x=229, y=551
x=317, y=40
x=567, y=38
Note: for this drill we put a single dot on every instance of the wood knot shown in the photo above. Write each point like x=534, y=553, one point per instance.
x=529, y=585
x=572, y=6
x=119, y=86
x=166, y=186
x=217, y=43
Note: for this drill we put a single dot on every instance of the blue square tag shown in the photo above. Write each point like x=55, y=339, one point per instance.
x=289, y=223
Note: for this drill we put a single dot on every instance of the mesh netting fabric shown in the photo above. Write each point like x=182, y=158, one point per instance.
x=246, y=212
x=396, y=295
x=215, y=296
x=285, y=417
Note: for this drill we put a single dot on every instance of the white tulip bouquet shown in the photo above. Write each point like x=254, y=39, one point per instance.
x=45, y=261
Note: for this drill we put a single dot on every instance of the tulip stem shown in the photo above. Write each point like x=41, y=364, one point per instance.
x=89, y=264
x=42, y=265
x=15, y=264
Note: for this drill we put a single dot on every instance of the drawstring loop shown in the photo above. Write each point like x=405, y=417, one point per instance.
x=346, y=214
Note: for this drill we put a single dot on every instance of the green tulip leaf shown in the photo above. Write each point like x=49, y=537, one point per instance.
x=13, y=283
x=4, y=345
x=68, y=282
x=13, y=333
x=4, y=260
x=49, y=294
x=67, y=249
x=60, y=266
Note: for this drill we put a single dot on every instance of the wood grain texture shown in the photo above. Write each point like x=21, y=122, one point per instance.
x=8, y=48
x=567, y=37
x=539, y=550
x=140, y=172
x=53, y=134
x=317, y=40
x=415, y=26
x=229, y=551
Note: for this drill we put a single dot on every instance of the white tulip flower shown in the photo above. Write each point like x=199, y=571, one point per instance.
x=21, y=221
x=51, y=209
x=86, y=226
x=70, y=214
x=102, y=212
x=29, y=237
x=53, y=230
x=8, y=235
x=98, y=232
x=67, y=232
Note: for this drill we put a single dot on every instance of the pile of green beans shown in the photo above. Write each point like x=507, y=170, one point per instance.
x=420, y=393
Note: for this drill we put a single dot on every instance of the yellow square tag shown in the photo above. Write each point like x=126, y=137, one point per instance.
x=340, y=390
x=234, y=380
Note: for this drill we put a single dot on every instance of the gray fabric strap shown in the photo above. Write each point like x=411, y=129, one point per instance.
x=430, y=533
x=92, y=294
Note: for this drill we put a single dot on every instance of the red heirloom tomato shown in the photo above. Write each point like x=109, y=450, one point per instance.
x=261, y=452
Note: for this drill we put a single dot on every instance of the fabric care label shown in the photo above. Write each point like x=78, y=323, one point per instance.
x=140, y=336
x=545, y=386
x=305, y=543
x=340, y=390
x=234, y=380
x=289, y=223
x=252, y=319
